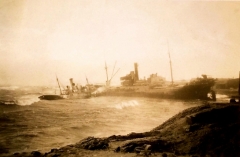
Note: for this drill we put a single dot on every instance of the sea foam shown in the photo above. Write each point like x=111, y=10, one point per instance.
x=126, y=104
x=27, y=100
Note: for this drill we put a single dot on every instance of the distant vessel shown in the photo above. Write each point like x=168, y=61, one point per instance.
x=78, y=92
x=53, y=97
x=69, y=93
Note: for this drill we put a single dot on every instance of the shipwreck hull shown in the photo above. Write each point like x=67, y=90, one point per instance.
x=77, y=96
x=161, y=95
x=50, y=97
x=59, y=97
x=185, y=92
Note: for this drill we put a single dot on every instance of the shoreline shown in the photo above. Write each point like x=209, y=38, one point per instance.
x=210, y=129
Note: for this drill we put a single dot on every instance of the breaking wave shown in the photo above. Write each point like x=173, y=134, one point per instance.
x=99, y=90
x=222, y=97
x=124, y=104
x=9, y=88
x=27, y=99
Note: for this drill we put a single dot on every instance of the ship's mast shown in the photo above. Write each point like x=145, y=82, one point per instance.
x=170, y=64
x=106, y=72
x=59, y=85
x=87, y=79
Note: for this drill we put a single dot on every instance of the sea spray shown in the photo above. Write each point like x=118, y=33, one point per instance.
x=99, y=90
x=222, y=98
x=27, y=99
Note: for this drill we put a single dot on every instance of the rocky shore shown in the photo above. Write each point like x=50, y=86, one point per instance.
x=207, y=130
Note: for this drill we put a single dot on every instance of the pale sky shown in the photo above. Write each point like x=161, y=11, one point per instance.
x=73, y=39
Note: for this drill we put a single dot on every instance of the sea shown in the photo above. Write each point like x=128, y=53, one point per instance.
x=40, y=125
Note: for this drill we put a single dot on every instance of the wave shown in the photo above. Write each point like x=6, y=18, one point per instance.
x=27, y=135
x=27, y=100
x=222, y=98
x=82, y=127
x=9, y=88
x=124, y=104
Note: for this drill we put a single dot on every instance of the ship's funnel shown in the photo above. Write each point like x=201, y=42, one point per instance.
x=72, y=84
x=136, y=78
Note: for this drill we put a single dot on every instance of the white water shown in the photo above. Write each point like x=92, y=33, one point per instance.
x=27, y=99
x=126, y=104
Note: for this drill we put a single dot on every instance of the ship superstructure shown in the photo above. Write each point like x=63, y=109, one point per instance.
x=132, y=79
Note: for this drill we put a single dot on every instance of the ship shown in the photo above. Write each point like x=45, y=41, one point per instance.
x=70, y=92
x=157, y=87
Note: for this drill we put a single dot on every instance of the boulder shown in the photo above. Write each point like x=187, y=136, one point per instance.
x=92, y=143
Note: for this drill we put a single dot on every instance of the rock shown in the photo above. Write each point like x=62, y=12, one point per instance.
x=233, y=101
x=3, y=150
x=145, y=150
x=36, y=153
x=92, y=143
x=54, y=150
x=15, y=154
x=117, y=149
x=212, y=129
x=189, y=120
x=164, y=155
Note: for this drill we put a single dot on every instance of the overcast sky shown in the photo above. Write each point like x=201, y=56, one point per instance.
x=43, y=38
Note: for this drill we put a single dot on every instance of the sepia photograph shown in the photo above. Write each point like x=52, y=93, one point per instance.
x=119, y=78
